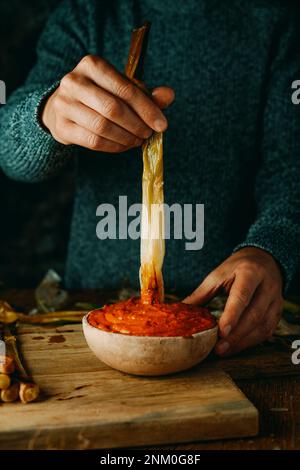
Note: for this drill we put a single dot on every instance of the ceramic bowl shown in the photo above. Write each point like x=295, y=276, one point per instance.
x=149, y=355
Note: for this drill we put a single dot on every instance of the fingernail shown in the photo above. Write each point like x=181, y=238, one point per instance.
x=160, y=125
x=226, y=330
x=222, y=347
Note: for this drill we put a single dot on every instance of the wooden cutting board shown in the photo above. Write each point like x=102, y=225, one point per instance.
x=87, y=405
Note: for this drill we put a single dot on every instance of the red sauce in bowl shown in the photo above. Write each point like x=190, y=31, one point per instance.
x=132, y=317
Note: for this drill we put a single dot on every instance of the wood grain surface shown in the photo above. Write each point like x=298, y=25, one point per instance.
x=265, y=374
x=85, y=404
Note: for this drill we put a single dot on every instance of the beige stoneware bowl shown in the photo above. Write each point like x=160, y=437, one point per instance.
x=149, y=355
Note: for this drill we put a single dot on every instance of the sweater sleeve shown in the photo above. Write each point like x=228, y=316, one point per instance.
x=28, y=152
x=277, y=225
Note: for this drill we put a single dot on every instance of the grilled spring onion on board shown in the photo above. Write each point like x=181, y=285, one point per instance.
x=8, y=315
x=15, y=382
x=7, y=365
x=11, y=393
x=152, y=223
x=4, y=381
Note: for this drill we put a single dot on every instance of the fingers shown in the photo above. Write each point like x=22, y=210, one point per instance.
x=249, y=333
x=206, y=291
x=255, y=337
x=108, y=105
x=108, y=78
x=105, y=104
x=258, y=334
x=163, y=96
x=73, y=134
x=247, y=319
x=95, y=123
x=253, y=282
x=240, y=295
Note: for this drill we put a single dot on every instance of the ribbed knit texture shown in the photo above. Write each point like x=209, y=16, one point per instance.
x=233, y=141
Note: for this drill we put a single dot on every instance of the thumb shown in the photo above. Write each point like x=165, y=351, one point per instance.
x=206, y=291
x=163, y=96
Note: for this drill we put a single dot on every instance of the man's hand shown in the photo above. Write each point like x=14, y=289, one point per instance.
x=253, y=281
x=97, y=107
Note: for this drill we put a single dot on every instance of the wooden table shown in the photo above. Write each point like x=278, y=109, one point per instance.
x=265, y=374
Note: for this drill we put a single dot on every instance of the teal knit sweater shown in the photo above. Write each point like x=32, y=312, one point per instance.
x=233, y=141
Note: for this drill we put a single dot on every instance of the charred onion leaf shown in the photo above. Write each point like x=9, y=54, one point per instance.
x=152, y=223
x=152, y=226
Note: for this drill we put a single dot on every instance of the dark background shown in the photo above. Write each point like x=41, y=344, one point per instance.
x=34, y=218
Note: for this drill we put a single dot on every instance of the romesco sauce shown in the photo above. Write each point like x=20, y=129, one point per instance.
x=132, y=317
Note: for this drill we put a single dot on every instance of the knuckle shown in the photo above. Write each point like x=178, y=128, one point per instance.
x=60, y=125
x=58, y=103
x=93, y=141
x=244, y=269
x=98, y=125
x=242, y=265
x=111, y=108
x=67, y=81
x=247, y=266
x=89, y=60
x=126, y=91
x=60, y=131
